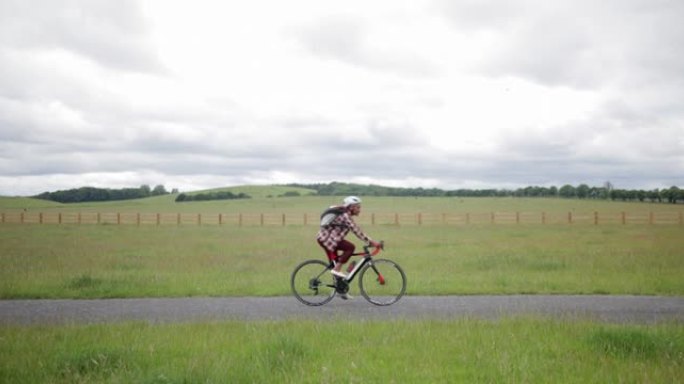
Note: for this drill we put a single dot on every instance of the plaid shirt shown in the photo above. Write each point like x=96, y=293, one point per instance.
x=331, y=235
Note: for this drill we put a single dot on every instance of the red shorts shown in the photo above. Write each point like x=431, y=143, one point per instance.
x=345, y=247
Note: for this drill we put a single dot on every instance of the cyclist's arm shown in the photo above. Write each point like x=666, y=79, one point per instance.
x=358, y=232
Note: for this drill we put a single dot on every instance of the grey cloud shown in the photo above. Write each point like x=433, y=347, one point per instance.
x=112, y=34
x=568, y=154
x=582, y=43
x=634, y=139
x=348, y=40
x=592, y=151
x=393, y=134
x=340, y=38
x=481, y=15
x=376, y=136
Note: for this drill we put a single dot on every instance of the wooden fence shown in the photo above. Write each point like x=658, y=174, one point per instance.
x=397, y=219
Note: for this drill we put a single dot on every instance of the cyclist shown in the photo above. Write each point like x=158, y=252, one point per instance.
x=332, y=237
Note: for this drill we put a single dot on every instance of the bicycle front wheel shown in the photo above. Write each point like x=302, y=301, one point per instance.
x=382, y=282
x=312, y=283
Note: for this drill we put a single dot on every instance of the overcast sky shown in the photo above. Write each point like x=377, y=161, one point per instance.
x=449, y=94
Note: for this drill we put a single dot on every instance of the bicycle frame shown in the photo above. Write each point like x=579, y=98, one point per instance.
x=367, y=258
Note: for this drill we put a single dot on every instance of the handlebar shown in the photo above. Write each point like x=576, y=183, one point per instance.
x=376, y=250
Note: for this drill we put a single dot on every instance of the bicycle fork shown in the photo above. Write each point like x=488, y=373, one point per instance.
x=381, y=278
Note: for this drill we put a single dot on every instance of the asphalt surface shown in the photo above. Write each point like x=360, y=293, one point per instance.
x=613, y=309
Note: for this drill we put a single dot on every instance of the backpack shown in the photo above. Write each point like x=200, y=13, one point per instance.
x=330, y=214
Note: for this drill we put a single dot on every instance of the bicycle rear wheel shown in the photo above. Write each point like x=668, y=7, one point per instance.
x=312, y=283
x=382, y=282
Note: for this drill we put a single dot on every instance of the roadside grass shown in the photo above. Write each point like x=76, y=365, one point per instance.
x=97, y=261
x=510, y=350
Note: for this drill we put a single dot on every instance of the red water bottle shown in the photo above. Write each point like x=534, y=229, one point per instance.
x=351, y=266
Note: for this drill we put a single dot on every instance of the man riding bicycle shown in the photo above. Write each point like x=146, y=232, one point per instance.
x=331, y=237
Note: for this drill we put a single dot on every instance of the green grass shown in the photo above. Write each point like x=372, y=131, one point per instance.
x=108, y=260
x=20, y=203
x=91, y=261
x=512, y=350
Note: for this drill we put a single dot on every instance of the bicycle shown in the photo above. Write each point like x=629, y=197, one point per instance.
x=381, y=281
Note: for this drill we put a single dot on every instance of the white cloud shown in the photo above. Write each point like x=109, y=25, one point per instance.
x=453, y=94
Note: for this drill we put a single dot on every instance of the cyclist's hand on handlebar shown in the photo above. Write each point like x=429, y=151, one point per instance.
x=376, y=244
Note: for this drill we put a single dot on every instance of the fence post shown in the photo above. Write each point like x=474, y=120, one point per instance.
x=178, y=219
x=420, y=218
x=240, y=220
x=79, y=218
x=137, y=219
x=261, y=218
x=199, y=219
x=624, y=218
x=220, y=218
x=3, y=217
x=158, y=219
x=59, y=218
x=21, y=220
x=681, y=217
x=596, y=218
x=40, y=218
x=118, y=218
x=283, y=219
x=373, y=218
x=543, y=218
x=517, y=217
x=493, y=219
x=396, y=218
x=306, y=219
x=569, y=217
x=467, y=218
x=99, y=218
x=651, y=218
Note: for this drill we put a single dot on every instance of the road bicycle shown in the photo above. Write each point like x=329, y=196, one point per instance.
x=381, y=281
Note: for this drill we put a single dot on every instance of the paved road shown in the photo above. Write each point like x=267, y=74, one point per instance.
x=616, y=309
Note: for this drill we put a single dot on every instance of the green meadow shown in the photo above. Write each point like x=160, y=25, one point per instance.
x=128, y=260
x=440, y=258
x=514, y=350
x=91, y=261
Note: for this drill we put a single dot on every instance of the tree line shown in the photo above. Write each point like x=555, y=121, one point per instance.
x=583, y=191
x=85, y=194
x=206, y=196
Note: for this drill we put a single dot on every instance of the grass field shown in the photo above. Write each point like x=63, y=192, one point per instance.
x=513, y=350
x=91, y=261
x=126, y=261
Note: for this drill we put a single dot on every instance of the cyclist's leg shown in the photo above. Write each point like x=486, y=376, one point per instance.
x=331, y=255
x=346, y=249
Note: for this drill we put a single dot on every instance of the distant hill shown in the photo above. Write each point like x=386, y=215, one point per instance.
x=669, y=195
x=607, y=192
x=88, y=194
x=26, y=203
x=342, y=189
x=91, y=194
x=261, y=191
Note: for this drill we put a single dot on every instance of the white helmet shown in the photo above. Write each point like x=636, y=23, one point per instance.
x=351, y=200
